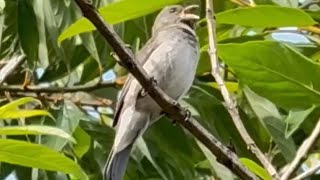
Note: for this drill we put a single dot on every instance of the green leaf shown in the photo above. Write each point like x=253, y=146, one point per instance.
x=28, y=31
x=15, y=114
x=141, y=144
x=15, y=104
x=115, y=13
x=68, y=120
x=255, y=168
x=220, y=171
x=2, y=6
x=295, y=119
x=83, y=142
x=205, y=106
x=37, y=156
x=12, y=111
x=270, y=117
x=264, y=16
x=275, y=71
x=35, y=130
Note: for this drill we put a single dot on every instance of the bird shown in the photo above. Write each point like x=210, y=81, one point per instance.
x=170, y=57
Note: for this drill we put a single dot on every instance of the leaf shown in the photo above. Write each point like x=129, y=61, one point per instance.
x=115, y=13
x=275, y=71
x=12, y=111
x=264, y=16
x=103, y=134
x=220, y=171
x=255, y=168
x=35, y=130
x=15, y=104
x=2, y=6
x=270, y=117
x=141, y=144
x=37, y=156
x=295, y=119
x=28, y=31
x=15, y=114
x=205, y=106
x=83, y=142
x=68, y=120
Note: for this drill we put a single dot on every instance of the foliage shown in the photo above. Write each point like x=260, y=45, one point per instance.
x=270, y=61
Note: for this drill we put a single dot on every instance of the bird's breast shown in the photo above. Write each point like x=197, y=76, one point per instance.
x=181, y=68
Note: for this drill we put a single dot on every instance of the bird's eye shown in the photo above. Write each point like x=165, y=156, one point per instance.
x=172, y=10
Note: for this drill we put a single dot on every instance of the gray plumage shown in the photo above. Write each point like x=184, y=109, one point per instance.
x=170, y=57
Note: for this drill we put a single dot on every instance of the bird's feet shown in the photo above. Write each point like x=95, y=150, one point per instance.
x=187, y=113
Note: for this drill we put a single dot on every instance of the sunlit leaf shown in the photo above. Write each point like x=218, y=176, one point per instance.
x=264, y=16
x=256, y=168
x=37, y=156
x=115, y=13
x=83, y=142
x=12, y=111
x=35, y=130
x=275, y=71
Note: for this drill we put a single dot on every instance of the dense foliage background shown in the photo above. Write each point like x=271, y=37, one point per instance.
x=270, y=54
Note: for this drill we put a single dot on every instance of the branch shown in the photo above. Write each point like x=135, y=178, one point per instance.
x=302, y=152
x=78, y=98
x=231, y=106
x=11, y=64
x=41, y=89
x=308, y=173
x=170, y=107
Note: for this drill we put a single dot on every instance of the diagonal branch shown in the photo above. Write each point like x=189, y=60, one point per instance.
x=231, y=105
x=302, y=152
x=307, y=173
x=11, y=64
x=172, y=109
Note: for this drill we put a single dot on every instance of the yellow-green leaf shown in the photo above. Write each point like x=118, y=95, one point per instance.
x=37, y=156
x=115, y=13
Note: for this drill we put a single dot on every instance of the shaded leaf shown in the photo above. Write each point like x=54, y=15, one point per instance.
x=270, y=117
x=295, y=119
x=219, y=170
x=141, y=144
x=28, y=31
x=68, y=120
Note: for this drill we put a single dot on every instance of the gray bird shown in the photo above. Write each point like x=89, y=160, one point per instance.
x=171, y=58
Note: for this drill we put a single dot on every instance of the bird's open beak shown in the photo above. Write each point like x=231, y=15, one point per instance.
x=187, y=13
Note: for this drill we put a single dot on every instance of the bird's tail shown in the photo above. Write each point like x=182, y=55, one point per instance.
x=117, y=163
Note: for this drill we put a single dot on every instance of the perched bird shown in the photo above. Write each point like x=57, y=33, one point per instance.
x=170, y=57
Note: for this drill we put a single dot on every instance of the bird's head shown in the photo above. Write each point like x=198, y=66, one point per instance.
x=174, y=15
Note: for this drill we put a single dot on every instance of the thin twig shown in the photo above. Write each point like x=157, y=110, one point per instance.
x=43, y=89
x=231, y=106
x=308, y=173
x=302, y=152
x=11, y=65
x=170, y=107
x=81, y=99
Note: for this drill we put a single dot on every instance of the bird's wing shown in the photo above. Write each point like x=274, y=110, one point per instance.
x=142, y=56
